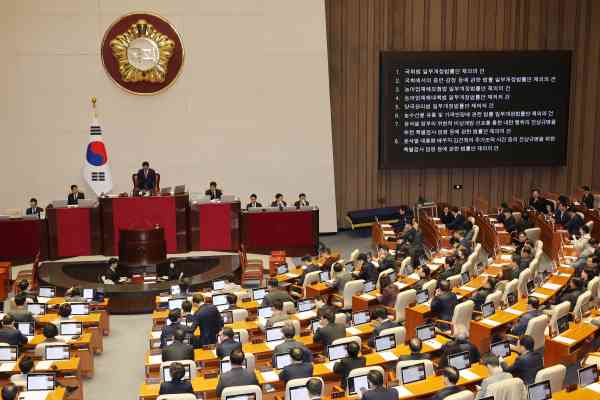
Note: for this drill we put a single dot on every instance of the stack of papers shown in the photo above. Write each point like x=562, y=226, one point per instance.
x=565, y=340
x=403, y=392
x=290, y=275
x=514, y=312
x=539, y=295
x=388, y=356
x=43, y=365
x=353, y=331
x=270, y=376
x=490, y=322
x=36, y=395
x=506, y=257
x=156, y=359
x=433, y=343
x=468, y=288
x=272, y=345
x=367, y=297
x=468, y=375
x=306, y=315
x=594, y=387
x=551, y=286
x=7, y=366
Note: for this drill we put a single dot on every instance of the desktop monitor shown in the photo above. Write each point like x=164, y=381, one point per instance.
x=47, y=291
x=539, y=391
x=282, y=360
x=426, y=332
x=464, y=278
x=37, y=382
x=488, y=309
x=361, y=317
x=175, y=304
x=282, y=269
x=460, y=360
x=80, y=309
x=259, y=293
x=57, y=352
x=26, y=328
x=412, y=373
x=299, y=393
x=37, y=308
x=500, y=349
x=167, y=373
x=265, y=312
x=219, y=299
x=422, y=296
x=337, y=351
x=588, y=375
x=89, y=294
x=324, y=276
x=386, y=342
x=9, y=353
x=306, y=305
x=357, y=383
x=219, y=285
x=562, y=324
x=69, y=328
x=274, y=334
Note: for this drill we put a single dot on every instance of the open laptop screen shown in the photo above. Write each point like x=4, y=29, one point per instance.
x=37, y=382
x=413, y=373
x=588, y=375
x=460, y=360
x=337, y=352
x=539, y=391
x=387, y=342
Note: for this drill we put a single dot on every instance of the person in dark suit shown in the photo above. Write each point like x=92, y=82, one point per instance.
x=405, y=215
x=527, y=364
x=389, y=292
x=213, y=192
x=533, y=305
x=298, y=368
x=33, y=208
x=146, y=178
x=178, y=350
x=238, y=375
x=509, y=220
x=378, y=391
x=302, y=202
x=74, y=196
x=415, y=344
x=9, y=392
x=538, y=203
x=253, y=202
x=227, y=344
x=449, y=268
x=315, y=388
x=169, y=330
x=289, y=343
x=208, y=318
x=382, y=323
x=9, y=334
x=444, y=302
x=572, y=293
x=365, y=270
x=488, y=287
x=20, y=312
x=450, y=376
x=309, y=264
x=345, y=365
x=114, y=273
x=276, y=293
x=588, y=198
x=458, y=222
x=458, y=345
x=177, y=384
x=446, y=217
x=560, y=215
x=329, y=330
x=575, y=222
x=342, y=276
x=279, y=202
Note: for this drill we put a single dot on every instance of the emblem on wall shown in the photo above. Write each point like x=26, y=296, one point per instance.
x=142, y=53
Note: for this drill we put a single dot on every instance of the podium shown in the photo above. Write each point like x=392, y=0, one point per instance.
x=142, y=247
x=22, y=239
x=73, y=231
x=214, y=226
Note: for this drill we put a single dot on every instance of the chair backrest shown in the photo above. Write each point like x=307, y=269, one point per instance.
x=559, y=311
x=341, y=318
x=239, y=314
x=292, y=383
x=430, y=287
x=555, y=374
x=348, y=339
x=513, y=389
x=468, y=266
x=477, y=250
x=590, y=225
x=496, y=298
x=475, y=232
x=534, y=266
x=582, y=304
x=241, y=390
x=311, y=278
x=244, y=336
x=352, y=288
x=191, y=363
x=403, y=300
x=536, y=328
x=455, y=280
x=250, y=361
x=524, y=277
x=464, y=395
x=461, y=319
x=383, y=274
x=511, y=287
x=405, y=267
x=539, y=245
x=429, y=370
x=365, y=370
x=399, y=333
x=593, y=286
x=533, y=234
x=289, y=307
x=180, y=396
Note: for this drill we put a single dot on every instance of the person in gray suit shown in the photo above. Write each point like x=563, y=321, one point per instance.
x=496, y=374
x=274, y=294
x=227, y=344
x=289, y=343
x=178, y=350
x=342, y=276
x=298, y=368
x=383, y=323
x=238, y=375
x=329, y=330
x=19, y=311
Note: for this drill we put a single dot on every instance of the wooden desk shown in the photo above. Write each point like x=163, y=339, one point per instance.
x=101, y=308
x=91, y=322
x=318, y=290
x=82, y=346
x=578, y=394
x=415, y=316
x=558, y=352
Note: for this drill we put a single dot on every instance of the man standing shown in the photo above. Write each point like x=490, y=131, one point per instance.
x=146, y=178
x=208, y=318
x=74, y=196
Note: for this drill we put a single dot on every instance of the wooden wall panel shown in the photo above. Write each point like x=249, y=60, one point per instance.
x=358, y=30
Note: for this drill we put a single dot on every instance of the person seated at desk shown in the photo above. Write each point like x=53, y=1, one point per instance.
x=496, y=374
x=524, y=222
x=276, y=293
x=446, y=217
x=314, y=387
x=208, y=319
x=538, y=203
x=177, y=385
x=9, y=392
x=74, y=295
x=363, y=269
x=450, y=377
x=575, y=222
x=341, y=276
x=347, y=364
x=522, y=260
x=329, y=330
x=298, y=368
x=510, y=225
x=213, y=192
x=424, y=273
x=279, y=201
x=238, y=375
x=385, y=259
x=415, y=345
x=289, y=343
x=465, y=236
x=382, y=322
x=449, y=268
x=528, y=363
x=146, y=178
x=178, y=350
x=19, y=311
x=533, y=310
x=378, y=391
x=588, y=198
x=279, y=315
x=458, y=221
x=571, y=293
x=64, y=314
x=405, y=215
x=480, y=295
x=389, y=292
x=75, y=195
x=168, y=331
x=114, y=274
x=9, y=333
x=583, y=254
x=253, y=202
x=50, y=332
x=584, y=238
x=227, y=344
x=560, y=215
x=444, y=302
x=33, y=208
x=309, y=264
x=24, y=289
x=520, y=241
x=26, y=365
x=458, y=345
x=302, y=202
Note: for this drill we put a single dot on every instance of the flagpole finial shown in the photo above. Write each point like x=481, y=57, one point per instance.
x=94, y=100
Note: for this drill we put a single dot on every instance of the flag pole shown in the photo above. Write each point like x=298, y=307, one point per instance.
x=94, y=100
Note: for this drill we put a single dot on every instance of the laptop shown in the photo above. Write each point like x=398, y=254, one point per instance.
x=220, y=299
x=324, y=276
x=369, y=287
x=500, y=349
x=460, y=360
x=37, y=382
x=464, y=278
x=247, y=396
x=89, y=294
x=175, y=290
x=265, y=312
x=274, y=334
x=361, y=318
x=227, y=317
x=80, y=309
x=511, y=299
x=37, y=308
x=357, y=383
x=26, y=328
x=299, y=393
x=422, y=296
x=57, y=352
x=488, y=309
x=226, y=365
x=539, y=391
x=219, y=285
x=530, y=287
x=69, y=328
x=259, y=294
x=337, y=351
x=167, y=373
x=426, y=332
x=315, y=324
x=412, y=373
x=386, y=342
x=588, y=375
x=306, y=305
x=47, y=291
x=562, y=324
x=175, y=303
x=9, y=353
x=282, y=269
x=282, y=360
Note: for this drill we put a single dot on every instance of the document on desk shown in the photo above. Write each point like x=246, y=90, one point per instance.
x=272, y=345
x=36, y=395
x=43, y=365
x=270, y=376
x=468, y=288
x=155, y=334
x=306, y=315
x=490, y=322
x=506, y=257
x=367, y=297
x=43, y=300
x=594, y=387
x=403, y=392
x=564, y=340
x=388, y=356
x=292, y=276
x=353, y=331
x=155, y=359
x=7, y=366
x=551, y=286
x=433, y=343
x=330, y=365
x=163, y=299
x=539, y=295
x=400, y=285
x=469, y=375
x=514, y=312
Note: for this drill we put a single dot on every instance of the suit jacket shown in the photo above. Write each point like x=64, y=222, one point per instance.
x=298, y=205
x=369, y=273
x=72, y=200
x=274, y=295
x=387, y=324
x=539, y=205
x=457, y=224
x=345, y=365
x=490, y=380
x=175, y=387
x=521, y=325
x=34, y=211
x=458, y=346
x=443, y=305
x=12, y=336
x=446, y=218
x=168, y=331
x=571, y=296
x=236, y=377
x=226, y=347
x=287, y=345
x=574, y=224
x=388, y=295
x=22, y=315
x=255, y=205
x=276, y=204
x=381, y=393
x=146, y=182
x=510, y=224
x=209, y=320
x=561, y=218
x=217, y=194
x=526, y=366
x=327, y=334
x=480, y=296
x=341, y=279
x=588, y=200
x=414, y=356
x=178, y=351
x=445, y=392
x=295, y=371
